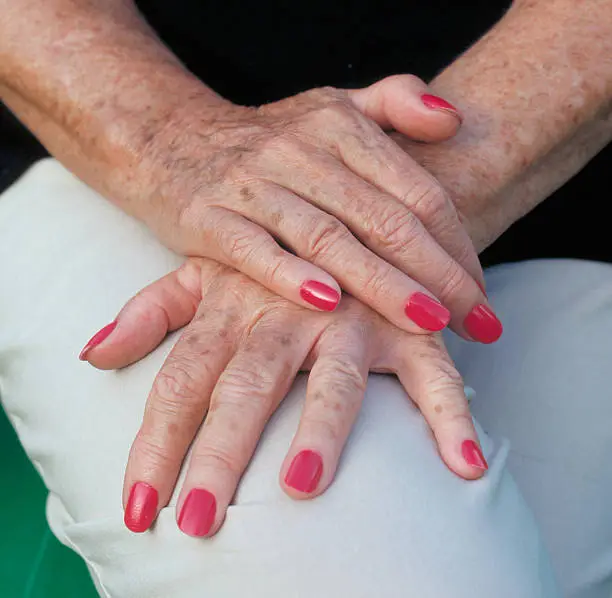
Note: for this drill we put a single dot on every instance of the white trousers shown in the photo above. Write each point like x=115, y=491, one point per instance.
x=396, y=523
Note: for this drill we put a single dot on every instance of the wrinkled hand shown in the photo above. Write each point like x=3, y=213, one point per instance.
x=316, y=174
x=231, y=368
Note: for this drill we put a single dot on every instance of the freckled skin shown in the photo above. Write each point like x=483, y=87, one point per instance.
x=520, y=139
x=536, y=95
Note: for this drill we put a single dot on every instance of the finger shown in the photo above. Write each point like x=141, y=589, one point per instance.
x=163, y=306
x=248, y=248
x=375, y=157
x=323, y=240
x=175, y=409
x=336, y=387
x=429, y=376
x=248, y=392
x=404, y=103
x=389, y=230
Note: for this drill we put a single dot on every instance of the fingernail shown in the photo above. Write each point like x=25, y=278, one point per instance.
x=198, y=513
x=482, y=288
x=435, y=103
x=96, y=339
x=141, y=507
x=483, y=325
x=305, y=471
x=320, y=295
x=428, y=313
x=473, y=455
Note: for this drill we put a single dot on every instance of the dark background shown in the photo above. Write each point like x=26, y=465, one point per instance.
x=255, y=52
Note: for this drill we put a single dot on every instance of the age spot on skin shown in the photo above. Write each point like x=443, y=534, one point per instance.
x=247, y=194
x=193, y=339
x=270, y=356
x=285, y=340
x=438, y=408
x=276, y=217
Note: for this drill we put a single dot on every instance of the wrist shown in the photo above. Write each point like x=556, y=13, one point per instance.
x=96, y=86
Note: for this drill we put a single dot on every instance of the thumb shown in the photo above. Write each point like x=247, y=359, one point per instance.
x=403, y=103
x=142, y=324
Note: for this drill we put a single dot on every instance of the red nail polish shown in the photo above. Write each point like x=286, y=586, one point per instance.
x=428, y=313
x=320, y=295
x=473, y=455
x=482, y=288
x=482, y=324
x=96, y=339
x=305, y=471
x=198, y=513
x=141, y=507
x=435, y=103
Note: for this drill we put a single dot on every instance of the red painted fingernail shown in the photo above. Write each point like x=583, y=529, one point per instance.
x=320, y=295
x=473, y=455
x=96, y=339
x=198, y=513
x=482, y=324
x=305, y=471
x=482, y=288
x=141, y=507
x=428, y=313
x=435, y=103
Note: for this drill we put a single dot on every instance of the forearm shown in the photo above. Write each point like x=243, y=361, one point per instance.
x=93, y=82
x=536, y=93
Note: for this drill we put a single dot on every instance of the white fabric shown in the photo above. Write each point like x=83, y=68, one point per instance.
x=396, y=523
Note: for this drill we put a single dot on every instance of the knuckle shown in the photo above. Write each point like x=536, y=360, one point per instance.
x=217, y=458
x=429, y=200
x=325, y=236
x=327, y=92
x=444, y=380
x=378, y=278
x=453, y=280
x=253, y=384
x=175, y=391
x=398, y=230
x=275, y=269
x=451, y=414
x=342, y=376
x=238, y=246
x=338, y=112
x=153, y=451
x=280, y=145
x=324, y=428
x=444, y=391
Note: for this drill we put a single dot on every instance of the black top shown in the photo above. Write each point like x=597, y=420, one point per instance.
x=256, y=52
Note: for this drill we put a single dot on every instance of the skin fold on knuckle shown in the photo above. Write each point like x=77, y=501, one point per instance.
x=338, y=113
x=151, y=454
x=428, y=200
x=453, y=279
x=339, y=379
x=325, y=238
x=254, y=387
x=237, y=247
x=376, y=276
x=176, y=393
x=219, y=458
x=397, y=230
x=317, y=426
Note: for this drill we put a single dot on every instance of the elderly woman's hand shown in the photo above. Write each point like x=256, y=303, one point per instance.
x=231, y=368
x=308, y=195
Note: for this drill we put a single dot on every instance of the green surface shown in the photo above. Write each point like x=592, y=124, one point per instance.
x=33, y=564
